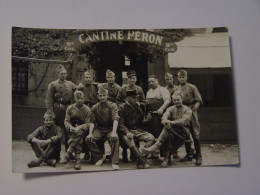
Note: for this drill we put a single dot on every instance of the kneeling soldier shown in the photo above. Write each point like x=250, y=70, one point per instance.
x=176, y=121
x=105, y=117
x=131, y=127
x=77, y=123
x=46, y=142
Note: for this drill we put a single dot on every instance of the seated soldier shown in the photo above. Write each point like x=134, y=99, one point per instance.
x=77, y=123
x=131, y=127
x=176, y=121
x=46, y=142
x=104, y=117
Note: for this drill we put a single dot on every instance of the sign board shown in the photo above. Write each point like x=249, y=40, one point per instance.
x=120, y=35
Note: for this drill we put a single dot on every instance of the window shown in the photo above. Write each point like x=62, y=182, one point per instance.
x=19, y=78
x=127, y=61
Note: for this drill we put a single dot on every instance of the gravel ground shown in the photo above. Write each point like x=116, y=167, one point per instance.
x=213, y=154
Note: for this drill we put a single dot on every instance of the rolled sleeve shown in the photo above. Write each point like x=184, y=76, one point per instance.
x=114, y=111
x=58, y=136
x=35, y=134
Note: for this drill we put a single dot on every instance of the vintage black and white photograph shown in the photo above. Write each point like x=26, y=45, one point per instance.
x=122, y=99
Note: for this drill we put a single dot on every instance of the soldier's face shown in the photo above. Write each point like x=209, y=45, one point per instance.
x=177, y=100
x=62, y=75
x=79, y=101
x=169, y=81
x=132, y=80
x=111, y=79
x=102, y=97
x=88, y=78
x=48, y=121
x=153, y=83
x=182, y=78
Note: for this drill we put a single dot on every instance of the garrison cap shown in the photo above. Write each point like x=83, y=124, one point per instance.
x=102, y=91
x=110, y=73
x=60, y=68
x=49, y=114
x=168, y=75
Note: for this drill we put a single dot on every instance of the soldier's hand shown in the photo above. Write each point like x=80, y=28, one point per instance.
x=89, y=138
x=130, y=135
x=113, y=136
x=77, y=129
x=160, y=111
x=72, y=130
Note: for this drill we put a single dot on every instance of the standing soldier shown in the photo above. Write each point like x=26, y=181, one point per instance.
x=131, y=127
x=90, y=89
x=132, y=78
x=77, y=123
x=192, y=99
x=169, y=81
x=111, y=86
x=158, y=99
x=176, y=121
x=45, y=142
x=104, y=118
x=59, y=96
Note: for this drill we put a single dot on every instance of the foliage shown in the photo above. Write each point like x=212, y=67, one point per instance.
x=38, y=43
x=44, y=43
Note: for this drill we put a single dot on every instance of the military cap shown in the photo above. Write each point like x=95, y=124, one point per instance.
x=178, y=93
x=89, y=71
x=131, y=73
x=168, y=75
x=131, y=92
x=102, y=91
x=49, y=114
x=61, y=68
x=109, y=73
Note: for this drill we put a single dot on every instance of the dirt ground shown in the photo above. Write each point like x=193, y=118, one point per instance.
x=213, y=155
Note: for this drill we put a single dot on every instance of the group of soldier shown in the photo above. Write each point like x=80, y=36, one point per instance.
x=89, y=114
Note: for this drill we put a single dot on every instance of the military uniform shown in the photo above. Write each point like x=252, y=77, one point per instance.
x=173, y=138
x=77, y=117
x=50, y=150
x=59, y=96
x=90, y=93
x=191, y=96
x=103, y=115
x=122, y=93
x=131, y=118
x=112, y=91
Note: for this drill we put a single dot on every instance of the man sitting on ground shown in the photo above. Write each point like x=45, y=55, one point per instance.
x=46, y=142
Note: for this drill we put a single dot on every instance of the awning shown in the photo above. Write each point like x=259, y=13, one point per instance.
x=202, y=51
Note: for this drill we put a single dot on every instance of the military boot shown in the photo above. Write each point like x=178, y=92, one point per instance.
x=124, y=154
x=198, y=152
x=154, y=149
x=77, y=165
x=165, y=162
x=51, y=162
x=77, y=162
x=189, y=152
x=141, y=161
x=35, y=163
